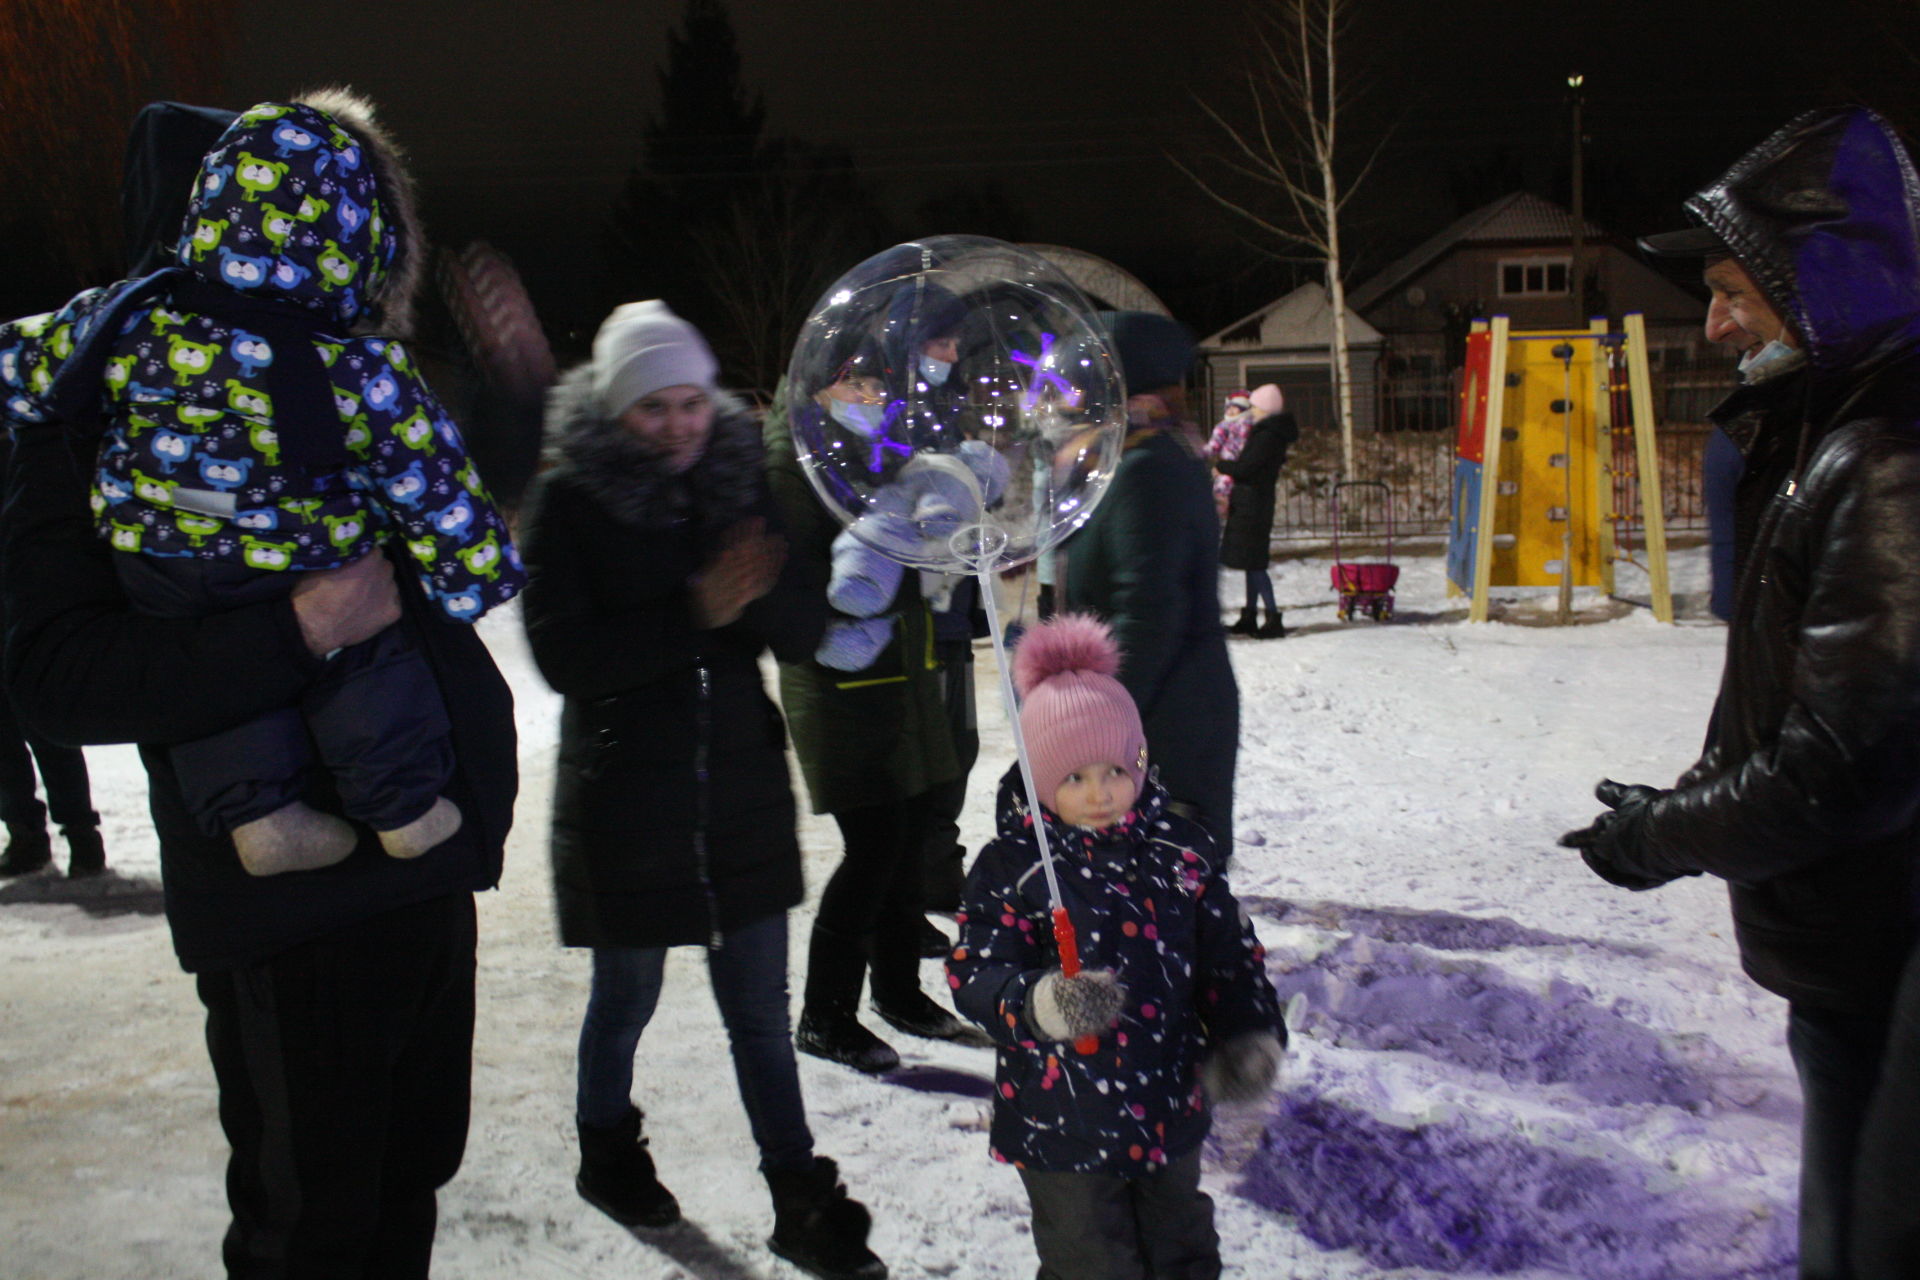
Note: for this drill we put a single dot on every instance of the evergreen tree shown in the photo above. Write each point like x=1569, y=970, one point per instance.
x=738, y=232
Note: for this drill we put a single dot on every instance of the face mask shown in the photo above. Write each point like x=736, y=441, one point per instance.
x=862, y=419
x=935, y=371
x=1770, y=361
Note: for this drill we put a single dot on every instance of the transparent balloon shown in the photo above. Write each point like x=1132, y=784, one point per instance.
x=955, y=403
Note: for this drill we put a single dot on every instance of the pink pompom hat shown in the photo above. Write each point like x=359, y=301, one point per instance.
x=1073, y=713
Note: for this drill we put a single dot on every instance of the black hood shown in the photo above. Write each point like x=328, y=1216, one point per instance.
x=1825, y=215
x=164, y=150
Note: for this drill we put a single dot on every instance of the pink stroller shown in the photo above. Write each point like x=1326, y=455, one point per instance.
x=1364, y=587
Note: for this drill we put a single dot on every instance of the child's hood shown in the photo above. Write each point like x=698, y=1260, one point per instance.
x=308, y=201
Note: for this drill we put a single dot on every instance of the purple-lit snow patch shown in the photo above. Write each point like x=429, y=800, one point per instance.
x=1369, y=995
x=1442, y=930
x=1449, y=1199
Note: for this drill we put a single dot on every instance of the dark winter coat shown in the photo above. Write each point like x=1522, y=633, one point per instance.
x=867, y=737
x=1247, y=540
x=1146, y=562
x=672, y=812
x=1148, y=900
x=1807, y=799
x=83, y=668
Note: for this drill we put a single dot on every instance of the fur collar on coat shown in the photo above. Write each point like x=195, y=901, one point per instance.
x=720, y=489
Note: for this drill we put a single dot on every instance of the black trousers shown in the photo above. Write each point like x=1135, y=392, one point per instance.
x=1886, y=1225
x=62, y=769
x=344, y=1068
x=1838, y=1058
x=945, y=872
x=373, y=719
x=871, y=906
x=1095, y=1226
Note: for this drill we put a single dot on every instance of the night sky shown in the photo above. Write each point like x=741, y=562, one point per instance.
x=524, y=118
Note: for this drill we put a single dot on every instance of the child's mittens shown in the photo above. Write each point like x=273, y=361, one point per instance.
x=989, y=467
x=864, y=581
x=851, y=644
x=1087, y=1004
x=1244, y=1068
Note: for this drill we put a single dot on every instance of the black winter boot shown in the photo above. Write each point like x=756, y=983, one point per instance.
x=86, y=855
x=1247, y=626
x=829, y=1026
x=1273, y=628
x=837, y=1036
x=28, y=848
x=818, y=1228
x=918, y=1014
x=617, y=1178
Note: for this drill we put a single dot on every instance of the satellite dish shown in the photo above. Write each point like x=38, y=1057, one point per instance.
x=1416, y=296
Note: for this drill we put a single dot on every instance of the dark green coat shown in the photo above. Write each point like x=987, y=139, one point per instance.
x=1146, y=563
x=863, y=737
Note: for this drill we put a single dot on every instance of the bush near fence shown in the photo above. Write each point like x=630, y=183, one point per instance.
x=1414, y=457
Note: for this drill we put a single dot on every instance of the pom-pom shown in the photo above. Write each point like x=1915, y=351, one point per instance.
x=1068, y=642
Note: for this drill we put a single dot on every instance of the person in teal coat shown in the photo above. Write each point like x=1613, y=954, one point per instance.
x=1146, y=563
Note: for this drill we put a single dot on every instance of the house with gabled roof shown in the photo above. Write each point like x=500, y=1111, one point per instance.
x=1514, y=257
x=1407, y=324
x=1286, y=343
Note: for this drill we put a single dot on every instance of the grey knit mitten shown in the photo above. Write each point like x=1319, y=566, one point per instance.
x=1087, y=1004
x=1244, y=1068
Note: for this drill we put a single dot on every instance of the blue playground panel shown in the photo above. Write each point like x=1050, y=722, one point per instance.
x=1465, y=529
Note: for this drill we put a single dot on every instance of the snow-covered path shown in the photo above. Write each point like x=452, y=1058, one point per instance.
x=1502, y=1066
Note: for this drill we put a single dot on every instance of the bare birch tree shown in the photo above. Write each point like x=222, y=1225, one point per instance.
x=1285, y=153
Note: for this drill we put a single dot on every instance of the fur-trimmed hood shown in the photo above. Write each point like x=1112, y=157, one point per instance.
x=310, y=201
x=717, y=491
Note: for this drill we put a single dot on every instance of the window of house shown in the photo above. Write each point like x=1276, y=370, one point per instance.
x=1533, y=275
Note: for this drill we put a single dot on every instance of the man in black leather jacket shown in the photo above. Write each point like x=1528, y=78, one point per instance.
x=1807, y=799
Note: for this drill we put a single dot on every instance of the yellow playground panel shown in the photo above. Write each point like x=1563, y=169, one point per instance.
x=1556, y=427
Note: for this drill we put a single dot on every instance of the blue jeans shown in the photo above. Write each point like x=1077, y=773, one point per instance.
x=1260, y=589
x=749, y=974
x=1838, y=1058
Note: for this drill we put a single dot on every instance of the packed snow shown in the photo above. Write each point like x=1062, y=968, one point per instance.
x=1500, y=1066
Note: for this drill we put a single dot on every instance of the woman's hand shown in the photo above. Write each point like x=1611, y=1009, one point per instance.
x=740, y=572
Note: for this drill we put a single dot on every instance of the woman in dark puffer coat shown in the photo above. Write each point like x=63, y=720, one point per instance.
x=657, y=578
x=1246, y=543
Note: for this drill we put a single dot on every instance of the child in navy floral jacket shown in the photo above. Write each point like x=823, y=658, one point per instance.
x=1173, y=993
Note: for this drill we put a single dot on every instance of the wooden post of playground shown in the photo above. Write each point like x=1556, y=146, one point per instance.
x=1490, y=469
x=1647, y=456
x=1600, y=488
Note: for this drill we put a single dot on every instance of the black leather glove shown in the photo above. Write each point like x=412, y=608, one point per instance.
x=1613, y=847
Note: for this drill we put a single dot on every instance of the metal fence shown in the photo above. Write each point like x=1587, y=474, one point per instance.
x=1412, y=452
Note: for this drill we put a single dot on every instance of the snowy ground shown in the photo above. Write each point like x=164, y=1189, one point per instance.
x=1502, y=1065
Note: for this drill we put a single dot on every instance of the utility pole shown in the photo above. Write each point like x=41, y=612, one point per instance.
x=1576, y=281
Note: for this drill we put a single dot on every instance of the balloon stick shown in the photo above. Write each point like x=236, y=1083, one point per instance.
x=1064, y=936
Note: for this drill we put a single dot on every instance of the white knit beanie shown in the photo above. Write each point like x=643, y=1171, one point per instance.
x=643, y=347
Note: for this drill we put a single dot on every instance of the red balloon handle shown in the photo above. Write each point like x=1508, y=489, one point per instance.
x=1069, y=944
